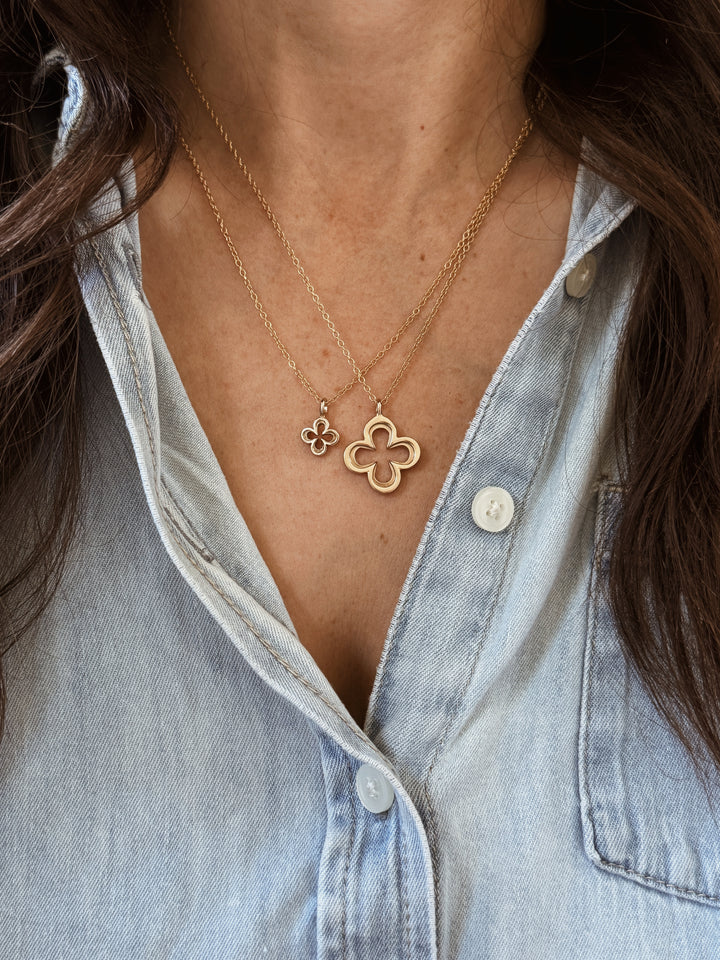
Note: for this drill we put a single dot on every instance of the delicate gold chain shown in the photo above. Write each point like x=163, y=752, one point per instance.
x=251, y=290
x=450, y=267
x=278, y=229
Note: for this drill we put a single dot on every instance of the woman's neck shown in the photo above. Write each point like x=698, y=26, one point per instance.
x=395, y=97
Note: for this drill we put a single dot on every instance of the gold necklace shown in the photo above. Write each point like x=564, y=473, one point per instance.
x=321, y=436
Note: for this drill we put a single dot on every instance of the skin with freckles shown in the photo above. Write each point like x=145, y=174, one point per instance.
x=373, y=128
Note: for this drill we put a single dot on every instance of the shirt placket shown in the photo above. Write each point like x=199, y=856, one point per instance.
x=374, y=879
x=450, y=595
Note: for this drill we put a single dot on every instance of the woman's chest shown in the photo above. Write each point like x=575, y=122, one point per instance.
x=338, y=549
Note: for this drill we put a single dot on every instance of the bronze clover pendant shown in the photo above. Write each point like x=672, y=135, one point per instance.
x=320, y=436
x=394, y=441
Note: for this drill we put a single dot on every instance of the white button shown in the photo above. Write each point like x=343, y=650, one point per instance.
x=374, y=791
x=581, y=277
x=492, y=508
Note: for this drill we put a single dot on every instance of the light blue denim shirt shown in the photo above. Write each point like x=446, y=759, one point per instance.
x=179, y=781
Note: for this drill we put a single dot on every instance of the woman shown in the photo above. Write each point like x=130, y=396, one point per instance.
x=264, y=698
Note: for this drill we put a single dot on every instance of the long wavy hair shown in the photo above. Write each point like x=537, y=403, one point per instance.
x=640, y=80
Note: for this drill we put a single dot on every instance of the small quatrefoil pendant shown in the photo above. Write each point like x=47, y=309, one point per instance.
x=320, y=436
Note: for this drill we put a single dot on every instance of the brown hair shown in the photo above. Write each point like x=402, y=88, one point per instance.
x=641, y=81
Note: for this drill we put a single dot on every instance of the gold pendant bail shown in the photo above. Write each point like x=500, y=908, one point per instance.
x=378, y=409
x=323, y=407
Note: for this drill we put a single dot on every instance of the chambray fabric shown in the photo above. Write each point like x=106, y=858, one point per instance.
x=177, y=778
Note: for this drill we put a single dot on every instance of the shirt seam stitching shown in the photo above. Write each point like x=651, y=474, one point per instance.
x=200, y=545
x=404, y=898
x=346, y=870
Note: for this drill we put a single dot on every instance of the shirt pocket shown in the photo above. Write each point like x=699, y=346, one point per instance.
x=646, y=814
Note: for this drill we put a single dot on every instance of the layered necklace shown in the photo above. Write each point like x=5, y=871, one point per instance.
x=321, y=437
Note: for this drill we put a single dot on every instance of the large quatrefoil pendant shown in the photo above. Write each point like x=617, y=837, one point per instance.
x=380, y=422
